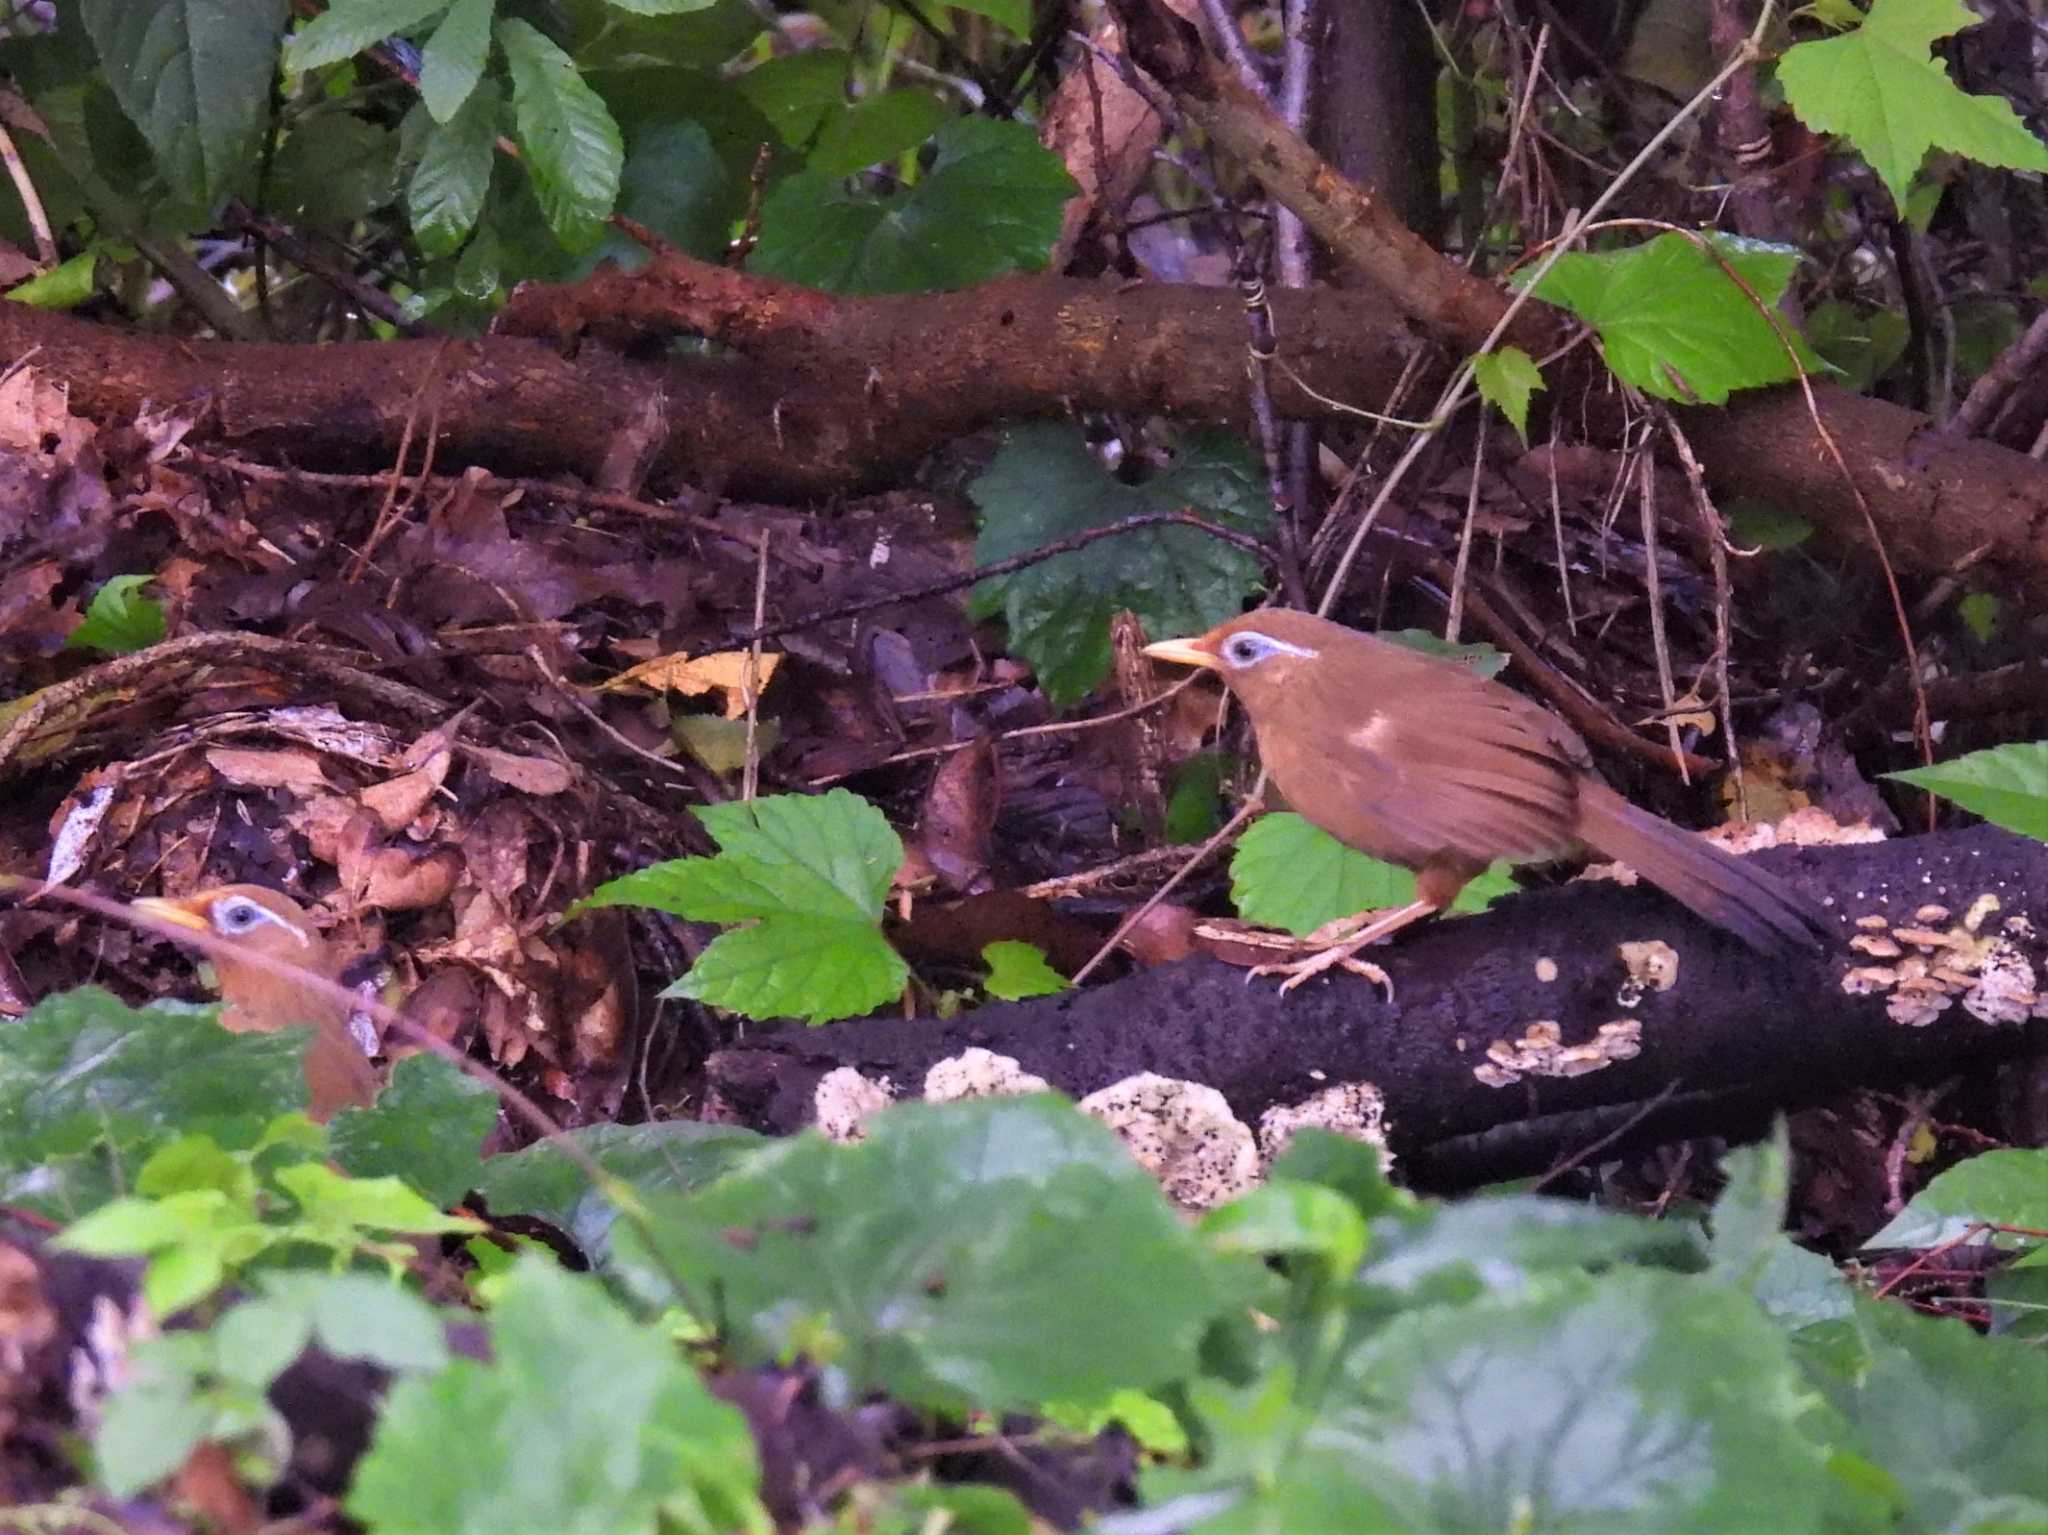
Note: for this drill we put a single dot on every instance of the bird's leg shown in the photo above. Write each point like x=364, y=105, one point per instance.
x=1342, y=951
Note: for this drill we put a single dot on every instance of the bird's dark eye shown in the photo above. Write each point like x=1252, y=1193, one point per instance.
x=1244, y=649
x=236, y=916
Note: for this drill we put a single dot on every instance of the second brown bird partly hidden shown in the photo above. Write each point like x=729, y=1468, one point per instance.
x=1422, y=762
x=276, y=971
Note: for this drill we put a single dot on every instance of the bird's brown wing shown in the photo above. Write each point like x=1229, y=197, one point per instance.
x=1444, y=762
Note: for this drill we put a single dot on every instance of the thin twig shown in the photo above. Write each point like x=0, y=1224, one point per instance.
x=750, y=685
x=1653, y=581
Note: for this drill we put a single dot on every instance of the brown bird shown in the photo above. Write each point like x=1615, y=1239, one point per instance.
x=1422, y=762
x=250, y=920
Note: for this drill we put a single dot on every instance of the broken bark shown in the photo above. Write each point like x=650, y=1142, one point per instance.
x=1477, y=1037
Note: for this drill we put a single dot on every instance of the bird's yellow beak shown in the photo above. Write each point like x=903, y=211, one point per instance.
x=175, y=912
x=1193, y=652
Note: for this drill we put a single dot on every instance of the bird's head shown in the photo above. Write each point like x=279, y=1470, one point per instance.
x=1263, y=657
x=264, y=948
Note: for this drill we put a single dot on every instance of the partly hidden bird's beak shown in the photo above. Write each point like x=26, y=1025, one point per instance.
x=1194, y=652
x=175, y=912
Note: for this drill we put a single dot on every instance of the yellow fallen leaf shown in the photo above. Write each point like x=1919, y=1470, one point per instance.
x=723, y=671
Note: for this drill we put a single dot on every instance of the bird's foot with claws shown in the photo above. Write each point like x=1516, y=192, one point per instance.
x=1242, y=943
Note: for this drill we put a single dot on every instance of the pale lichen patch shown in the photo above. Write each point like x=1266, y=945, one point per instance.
x=1876, y=946
x=1355, y=1110
x=1546, y=969
x=1652, y=965
x=1994, y=975
x=842, y=1102
x=979, y=1073
x=1184, y=1134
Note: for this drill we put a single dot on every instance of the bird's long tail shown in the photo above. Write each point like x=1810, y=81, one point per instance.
x=1728, y=891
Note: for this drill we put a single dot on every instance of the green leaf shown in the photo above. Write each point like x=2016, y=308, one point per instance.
x=62, y=287
x=2006, y=785
x=1506, y=380
x=1514, y=1244
x=1477, y=655
x=1749, y=1217
x=448, y=187
x=1014, y=14
x=427, y=1127
x=677, y=185
x=453, y=60
x=1286, y=1217
x=194, y=76
x=1632, y=1402
x=337, y=1207
x=584, y=1422
x=1192, y=813
x=1352, y=1168
x=1862, y=343
x=813, y=968
x=972, y=1254
x=1044, y=485
x=990, y=204
x=672, y=1155
x=572, y=147
x=1882, y=89
x=1674, y=324
x=334, y=169
x=347, y=27
x=1983, y=614
x=1019, y=970
x=352, y=1316
x=1761, y=525
x=796, y=91
x=90, y=1087
x=811, y=871
x=1294, y=876
x=2003, y=1188
x=1947, y=1413
x=868, y=132
x=119, y=620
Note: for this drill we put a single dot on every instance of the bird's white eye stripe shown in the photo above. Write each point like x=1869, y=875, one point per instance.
x=240, y=914
x=1248, y=647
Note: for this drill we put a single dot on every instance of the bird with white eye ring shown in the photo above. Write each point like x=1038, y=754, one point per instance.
x=261, y=998
x=1420, y=761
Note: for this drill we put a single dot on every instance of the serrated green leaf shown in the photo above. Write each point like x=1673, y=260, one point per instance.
x=1674, y=324
x=347, y=27
x=573, y=150
x=1294, y=876
x=427, y=1127
x=330, y=1203
x=1282, y=1217
x=1019, y=970
x=2006, y=1188
x=837, y=837
x=584, y=1422
x=67, y=284
x=89, y=1088
x=194, y=76
x=448, y=187
x=672, y=1155
x=453, y=60
x=1044, y=484
x=813, y=968
x=990, y=204
x=119, y=620
x=2006, y=785
x=1749, y=1216
x=1882, y=89
x=1940, y=1409
x=1586, y=1407
x=964, y=1254
x=1515, y=1244
x=1506, y=380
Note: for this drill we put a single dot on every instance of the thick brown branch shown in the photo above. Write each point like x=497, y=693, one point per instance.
x=1728, y=1024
